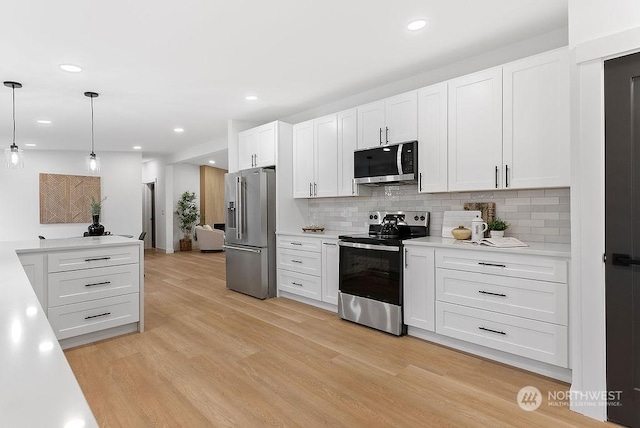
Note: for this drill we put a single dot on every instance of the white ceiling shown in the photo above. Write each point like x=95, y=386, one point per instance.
x=161, y=64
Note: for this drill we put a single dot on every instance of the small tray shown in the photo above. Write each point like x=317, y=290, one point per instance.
x=313, y=229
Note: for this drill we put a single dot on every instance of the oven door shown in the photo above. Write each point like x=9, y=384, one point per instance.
x=371, y=271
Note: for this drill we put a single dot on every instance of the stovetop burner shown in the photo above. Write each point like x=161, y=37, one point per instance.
x=391, y=228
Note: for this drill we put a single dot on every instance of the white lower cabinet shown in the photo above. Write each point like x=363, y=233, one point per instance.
x=308, y=267
x=88, y=291
x=330, y=271
x=514, y=303
x=419, y=287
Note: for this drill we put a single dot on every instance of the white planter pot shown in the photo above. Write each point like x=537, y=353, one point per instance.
x=497, y=233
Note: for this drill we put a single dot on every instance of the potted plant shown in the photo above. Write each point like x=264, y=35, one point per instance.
x=95, y=228
x=497, y=226
x=188, y=215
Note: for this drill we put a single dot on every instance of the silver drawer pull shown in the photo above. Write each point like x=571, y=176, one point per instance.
x=296, y=283
x=296, y=261
x=492, y=331
x=97, y=258
x=492, y=294
x=491, y=264
x=96, y=316
x=98, y=283
x=328, y=243
x=296, y=243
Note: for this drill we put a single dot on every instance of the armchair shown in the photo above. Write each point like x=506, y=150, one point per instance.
x=209, y=239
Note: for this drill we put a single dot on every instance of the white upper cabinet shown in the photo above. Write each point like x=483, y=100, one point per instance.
x=536, y=121
x=303, y=159
x=475, y=131
x=325, y=141
x=315, y=158
x=432, y=138
x=257, y=146
x=388, y=121
x=347, y=142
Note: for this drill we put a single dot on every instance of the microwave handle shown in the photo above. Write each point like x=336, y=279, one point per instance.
x=399, y=159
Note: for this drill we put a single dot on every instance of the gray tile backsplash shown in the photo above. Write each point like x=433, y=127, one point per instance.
x=533, y=215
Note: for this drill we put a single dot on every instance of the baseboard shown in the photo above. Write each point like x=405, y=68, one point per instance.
x=108, y=333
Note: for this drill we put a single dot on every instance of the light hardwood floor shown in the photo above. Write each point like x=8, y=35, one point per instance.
x=213, y=357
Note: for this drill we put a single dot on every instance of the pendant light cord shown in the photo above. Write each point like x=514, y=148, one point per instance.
x=13, y=96
x=92, y=151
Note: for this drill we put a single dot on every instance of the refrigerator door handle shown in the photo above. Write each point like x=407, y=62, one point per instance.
x=239, y=208
x=249, y=250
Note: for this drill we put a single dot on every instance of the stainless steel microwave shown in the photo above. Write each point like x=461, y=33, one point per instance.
x=392, y=163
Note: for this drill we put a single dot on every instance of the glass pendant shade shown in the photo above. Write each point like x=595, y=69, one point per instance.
x=13, y=157
x=93, y=164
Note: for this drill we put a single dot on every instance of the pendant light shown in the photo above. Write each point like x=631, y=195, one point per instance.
x=13, y=156
x=93, y=162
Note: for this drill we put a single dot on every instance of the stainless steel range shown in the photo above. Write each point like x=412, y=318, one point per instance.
x=371, y=285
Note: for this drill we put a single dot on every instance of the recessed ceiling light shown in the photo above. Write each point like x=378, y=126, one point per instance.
x=251, y=98
x=417, y=25
x=30, y=145
x=71, y=68
x=178, y=130
x=137, y=147
x=44, y=122
x=212, y=161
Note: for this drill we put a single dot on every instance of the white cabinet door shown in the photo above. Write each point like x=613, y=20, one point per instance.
x=247, y=145
x=330, y=272
x=371, y=124
x=432, y=138
x=303, y=159
x=347, y=143
x=33, y=265
x=401, y=117
x=475, y=131
x=419, y=287
x=325, y=141
x=536, y=121
x=265, y=154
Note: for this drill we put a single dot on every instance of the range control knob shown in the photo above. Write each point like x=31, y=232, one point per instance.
x=416, y=218
x=422, y=217
x=370, y=217
x=375, y=216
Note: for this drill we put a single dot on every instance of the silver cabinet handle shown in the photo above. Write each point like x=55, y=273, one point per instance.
x=296, y=283
x=491, y=264
x=97, y=258
x=406, y=258
x=328, y=243
x=296, y=243
x=380, y=136
x=315, y=189
x=386, y=133
x=310, y=189
x=296, y=261
x=492, y=294
x=492, y=331
x=353, y=184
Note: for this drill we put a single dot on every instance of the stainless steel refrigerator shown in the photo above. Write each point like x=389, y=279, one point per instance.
x=250, y=199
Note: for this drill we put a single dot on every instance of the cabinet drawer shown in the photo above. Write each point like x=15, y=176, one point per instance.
x=531, y=339
x=300, y=261
x=93, y=257
x=503, y=264
x=299, y=243
x=86, y=317
x=300, y=284
x=537, y=300
x=90, y=284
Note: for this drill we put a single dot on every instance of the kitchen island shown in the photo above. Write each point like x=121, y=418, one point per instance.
x=34, y=368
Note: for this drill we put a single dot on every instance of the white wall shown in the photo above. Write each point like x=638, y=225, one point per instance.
x=120, y=183
x=594, y=19
x=186, y=177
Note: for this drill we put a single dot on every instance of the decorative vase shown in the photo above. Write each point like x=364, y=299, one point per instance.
x=95, y=228
x=461, y=233
x=497, y=233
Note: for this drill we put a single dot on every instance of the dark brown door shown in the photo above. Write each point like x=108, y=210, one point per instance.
x=622, y=237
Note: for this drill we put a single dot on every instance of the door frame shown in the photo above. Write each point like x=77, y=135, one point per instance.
x=154, y=201
x=587, y=287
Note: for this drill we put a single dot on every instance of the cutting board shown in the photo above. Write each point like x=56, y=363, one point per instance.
x=453, y=219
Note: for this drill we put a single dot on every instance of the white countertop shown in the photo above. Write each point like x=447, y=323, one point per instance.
x=38, y=388
x=534, y=248
x=327, y=234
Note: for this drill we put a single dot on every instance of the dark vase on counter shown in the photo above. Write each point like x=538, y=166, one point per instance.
x=95, y=228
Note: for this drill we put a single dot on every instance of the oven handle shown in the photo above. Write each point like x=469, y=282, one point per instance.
x=368, y=247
